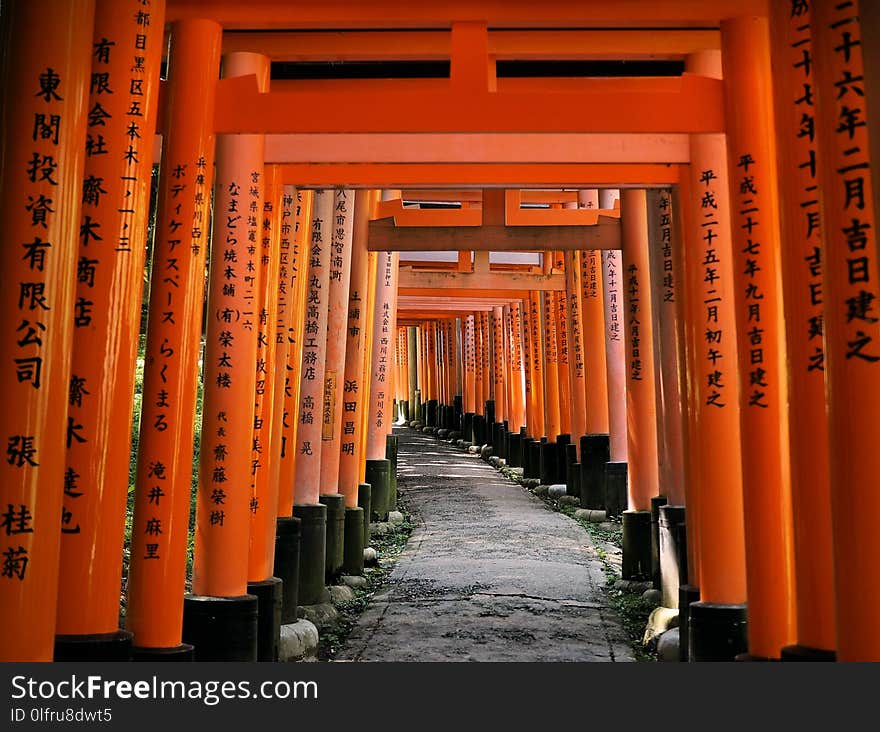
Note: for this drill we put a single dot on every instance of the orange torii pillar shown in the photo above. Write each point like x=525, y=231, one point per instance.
x=549, y=460
x=356, y=492
x=457, y=377
x=595, y=446
x=45, y=70
x=575, y=347
x=286, y=550
x=154, y=610
x=615, y=485
x=528, y=391
x=109, y=285
x=560, y=307
x=752, y=174
x=307, y=466
x=499, y=371
x=220, y=564
x=442, y=376
x=517, y=426
x=844, y=39
x=508, y=366
x=641, y=394
x=715, y=534
x=412, y=346
x=470, y=369
x=332, y=412
x=432, y=367
x=368, y=306
x=804, y=312
x=384, y=316
x=668, y=512
x=403, y=375
x=532, y=467
x=488, y=383
x=478, y=422
x=265, y=463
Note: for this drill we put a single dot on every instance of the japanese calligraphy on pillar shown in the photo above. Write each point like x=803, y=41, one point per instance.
x=667, y=273
x=611, y=264
x=710, y=223
x=573, y=273
x=559, y=300
x=351, y=390
x=633, y=323
x=525, y=318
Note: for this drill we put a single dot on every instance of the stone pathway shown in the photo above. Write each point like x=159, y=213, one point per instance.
x=489, y=574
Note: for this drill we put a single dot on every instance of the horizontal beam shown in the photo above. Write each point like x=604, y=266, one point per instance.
x=536, y=45
x=453, y=283
x=502, y=175
x=385, y=237
x=478, y=148
x=329, y=14
x=688, y=103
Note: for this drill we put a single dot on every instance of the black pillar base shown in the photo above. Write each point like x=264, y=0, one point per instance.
x=391, y=455
x=571, y=473
x=378, y=475
x=498, y=439
x=805, y=653
x=333, y=546
x=431, y=412
x=656, y=502
x=312, y=553
x=718, y=632
x=467, y=427
x=547, y=462
x=687, y=595
x=221, y=628
x=615, y=488
x=595, y=453
x=673, y=553
x=457, y=412
x=636, y=545
x=479, y=429
x=353, y=549
x=268, y=593
x=365, y=491
x=532, y=462
x=175, y=654
x=115, y=646
x=514, y=449
x=287, y=538
x=489, y=412
x=562, y=443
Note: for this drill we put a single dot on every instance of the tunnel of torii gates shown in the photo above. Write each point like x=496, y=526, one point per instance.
x=656, y=282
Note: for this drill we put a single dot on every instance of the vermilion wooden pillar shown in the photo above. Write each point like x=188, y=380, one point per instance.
x=553, y=425
x=575, y=343
x=846, y=133
x=263, y=505
x=307, y=466
x=109, y=285
x=300, y=238
x=518, y=407
x=470, y=366
x=801, y=258
x=220, y=565
x=536, y=351
x=499, y=368
x=350, y=475
x=760, y=334
x=716, y=547
x=44, y=69
x=595, y=366
x=157, y=573
x=615, y=319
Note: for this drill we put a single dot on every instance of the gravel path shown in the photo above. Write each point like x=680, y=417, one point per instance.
x=489, y=574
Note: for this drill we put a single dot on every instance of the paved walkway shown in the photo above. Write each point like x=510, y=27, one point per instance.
x=489, y=574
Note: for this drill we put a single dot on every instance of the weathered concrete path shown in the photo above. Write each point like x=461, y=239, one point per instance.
x=490, y=574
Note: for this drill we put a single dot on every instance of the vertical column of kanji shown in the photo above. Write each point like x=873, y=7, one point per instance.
x=665, y=251
x=641, y=393
x=499, y=363
x=714, y=514
x=220, y=563
x=412, y=341
x=164, y=473
x=378, y=467
x=368, y=307
x=440, y=361
x=402, y=374
x=340, y=279
x=760, y=328
x=334, y=371
x=852, y=322
x=537, y=351
x=595, y=367
x=126, y=53
x=263, y=502
x=575, y=348
x=353, y=384
x=486, y=354
x=615, y=484
x=562, y=357
x=44, y=80
x=479, y=397
x=470, y=368
x=517, y=368
x=506, y=321
x=551, y=372
x=528, y=368
x=801, y=259
x=297, y=281
x=307, y=471
x=285, y=531
x=451, y=370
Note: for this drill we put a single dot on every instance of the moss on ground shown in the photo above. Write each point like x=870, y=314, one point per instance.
x=389, y=546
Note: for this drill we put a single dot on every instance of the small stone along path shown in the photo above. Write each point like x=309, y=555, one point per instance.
x=490, y=573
